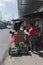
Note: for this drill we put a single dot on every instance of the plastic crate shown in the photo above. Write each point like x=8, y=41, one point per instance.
x=13, y=51
x=23, y=50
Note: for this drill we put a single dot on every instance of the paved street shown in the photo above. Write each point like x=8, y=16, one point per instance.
x=4, y=42
x=25, y=60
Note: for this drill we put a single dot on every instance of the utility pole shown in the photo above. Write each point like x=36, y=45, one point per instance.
x=1, y=16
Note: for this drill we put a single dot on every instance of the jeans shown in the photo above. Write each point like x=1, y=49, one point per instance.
x=32, y=43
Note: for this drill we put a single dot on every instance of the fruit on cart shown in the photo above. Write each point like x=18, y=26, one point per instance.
x=23, y=48
x=13, y=51
x=21, y=44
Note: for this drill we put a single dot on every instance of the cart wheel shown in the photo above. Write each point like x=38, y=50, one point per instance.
x=19, y=53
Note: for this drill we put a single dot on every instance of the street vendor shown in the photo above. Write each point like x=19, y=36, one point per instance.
x=24, y=29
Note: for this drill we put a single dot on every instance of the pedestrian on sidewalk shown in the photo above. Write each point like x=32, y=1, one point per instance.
x=32, y=36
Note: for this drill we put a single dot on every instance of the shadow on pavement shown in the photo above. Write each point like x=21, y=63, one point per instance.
x=40, y=54
x=20, y=55
x=39, y=50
